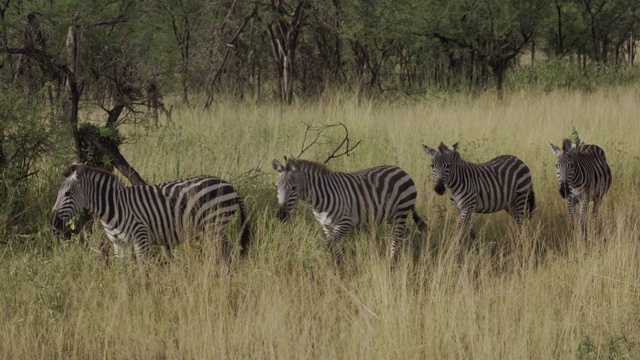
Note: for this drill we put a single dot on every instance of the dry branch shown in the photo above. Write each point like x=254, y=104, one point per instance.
x=319, y=130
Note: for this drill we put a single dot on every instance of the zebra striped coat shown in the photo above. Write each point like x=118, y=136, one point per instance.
x=583, y=176
x=503, y=183
x=343, y=201
x=141, y=216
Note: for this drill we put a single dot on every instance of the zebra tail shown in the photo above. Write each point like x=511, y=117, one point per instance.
x=422, y=225
x=531, y=201
x=246, y=229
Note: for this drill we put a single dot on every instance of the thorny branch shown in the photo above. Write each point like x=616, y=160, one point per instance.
x=319, y=130
x=346, y=141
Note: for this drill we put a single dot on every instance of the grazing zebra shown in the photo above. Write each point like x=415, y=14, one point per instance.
x=503, y=183
x=141, y=216
x=343, y=201
x=583, y=176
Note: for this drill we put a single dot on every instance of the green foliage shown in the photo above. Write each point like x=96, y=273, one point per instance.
x=615, y=346
x=575, y=137
x=402, y=47
x=26, y=138
x=586, y=349
x=553, y=74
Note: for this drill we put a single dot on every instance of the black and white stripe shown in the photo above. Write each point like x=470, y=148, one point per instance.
x=142, y=216
x=343, y=201
x=503, y=183
x=583, y=176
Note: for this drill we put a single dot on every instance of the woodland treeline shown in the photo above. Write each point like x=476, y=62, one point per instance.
x=124, y=56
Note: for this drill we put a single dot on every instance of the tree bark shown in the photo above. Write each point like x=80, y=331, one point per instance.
x=560, y=48
x=631, y=49
x=284, y=42
x=107, y=146
x=211, y=85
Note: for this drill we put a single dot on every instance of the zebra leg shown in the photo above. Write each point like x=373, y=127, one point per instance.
x=596, y=207
x=168, y=256
x=571, y=203
x=584, y=208
x=142, y=245
x=517, y=212
x=328, y=229
x=119, y=251
x=465, y=225
x=594, y=212
x=333, y=242
x=400, y=238
x=226, y=251
x=472, y=230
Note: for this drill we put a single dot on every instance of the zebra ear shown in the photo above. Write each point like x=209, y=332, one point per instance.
x=454, y=147
x=277, y=166
x=429, y=150
x=556, y=150
x=79, y=169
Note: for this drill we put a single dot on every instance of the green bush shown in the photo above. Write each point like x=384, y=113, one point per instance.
x=26, y=136
x=562, y=74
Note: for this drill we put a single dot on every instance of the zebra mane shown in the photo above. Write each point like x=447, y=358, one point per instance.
x=568, y=146
x=308, y=166
x=82, y=169
x=442, y=147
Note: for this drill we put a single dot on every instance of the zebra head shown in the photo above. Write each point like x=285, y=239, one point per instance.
x=71, y=199
x=287, y=194
x=564, y=165
x=443, y=158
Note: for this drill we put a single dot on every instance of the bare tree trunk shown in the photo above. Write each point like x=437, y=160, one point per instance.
x=284, y=41
x=533, y=53
x=560, y=48
x=109, y=148
x=72, y=86
x=182, y=33
x=631, y=48
x=210, y=88
x=72, y=50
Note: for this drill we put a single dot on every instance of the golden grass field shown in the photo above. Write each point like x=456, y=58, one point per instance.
x=544, y=295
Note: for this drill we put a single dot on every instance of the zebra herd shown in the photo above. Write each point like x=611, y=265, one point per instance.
x=169, y=213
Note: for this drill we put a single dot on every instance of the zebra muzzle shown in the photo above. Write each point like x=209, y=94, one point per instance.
x=439, y=188
x=57, y=227
x=282, y=214
x=564, y=190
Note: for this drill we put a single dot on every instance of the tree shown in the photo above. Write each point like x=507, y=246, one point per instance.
x=98, y=70
x=224, y=39
x=494, y=32
x=609, y=24
x=284, y=23
x=185, y=17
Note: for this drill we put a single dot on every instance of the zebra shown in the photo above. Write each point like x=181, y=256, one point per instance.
x=141, y=216
x=583, y=176
x=343, y=201
x=503, y=183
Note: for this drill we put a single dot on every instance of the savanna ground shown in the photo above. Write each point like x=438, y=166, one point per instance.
x=545, y=294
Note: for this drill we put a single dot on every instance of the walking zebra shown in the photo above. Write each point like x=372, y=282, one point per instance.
x=583, y=176
x=141, y=216
x=343, y=201
x=503, y=183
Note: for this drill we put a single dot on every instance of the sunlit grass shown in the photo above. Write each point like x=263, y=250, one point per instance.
x=545, y=294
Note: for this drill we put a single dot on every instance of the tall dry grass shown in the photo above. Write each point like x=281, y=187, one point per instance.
x=545, y=294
